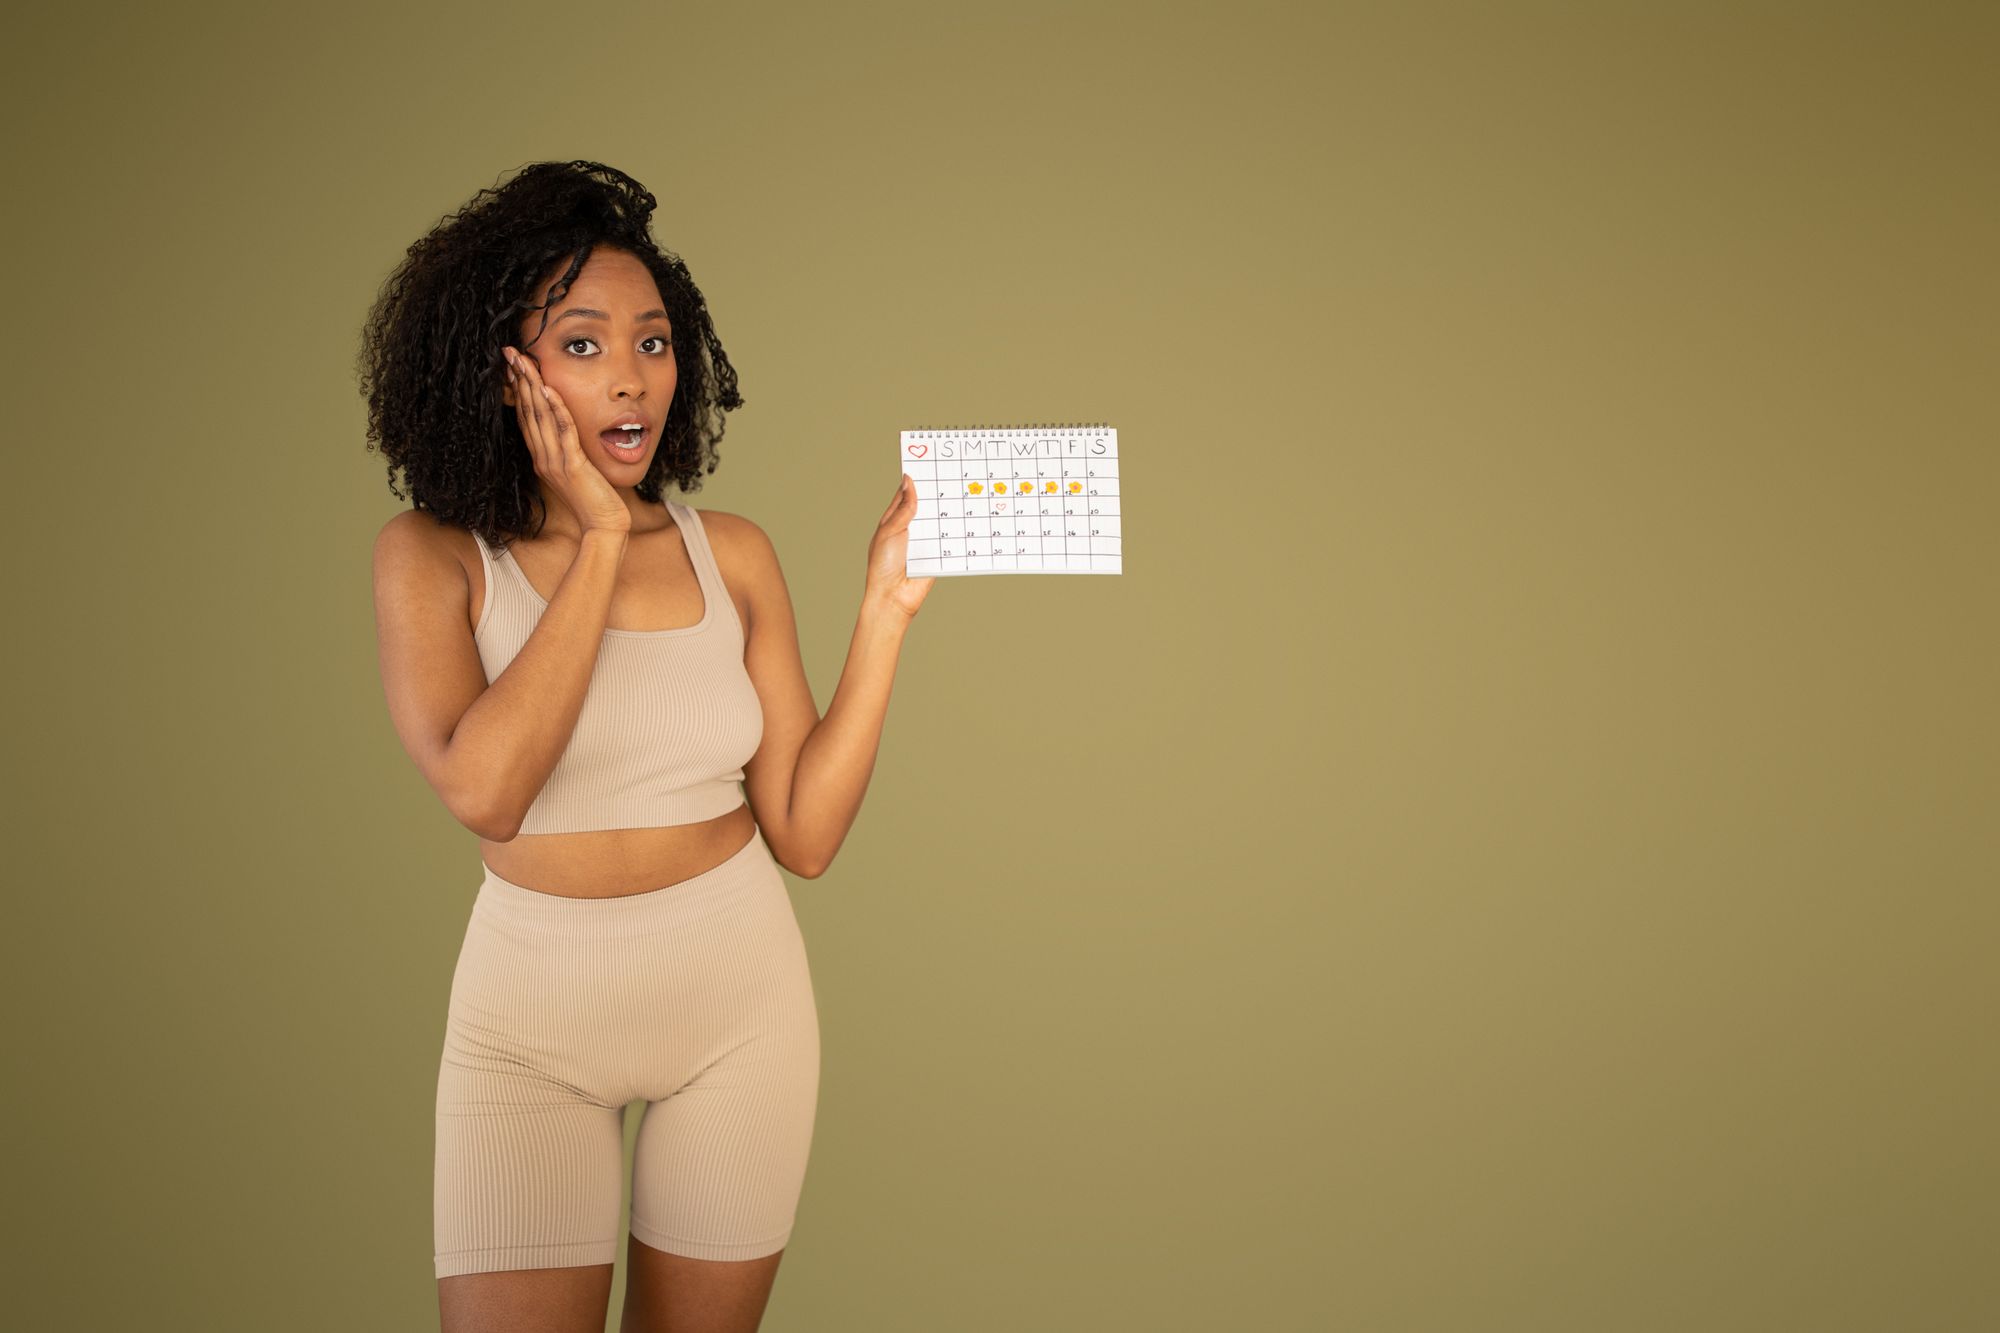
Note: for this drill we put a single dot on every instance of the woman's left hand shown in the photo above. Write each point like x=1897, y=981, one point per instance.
x=888, y=555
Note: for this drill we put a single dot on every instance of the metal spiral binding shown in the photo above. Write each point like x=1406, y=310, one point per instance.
x=1017, y=425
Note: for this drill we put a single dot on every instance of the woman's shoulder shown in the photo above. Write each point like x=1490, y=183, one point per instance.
x=420, y=529
x=415, y=539
x=724, y=528
x=417, y=527
x=743, y=555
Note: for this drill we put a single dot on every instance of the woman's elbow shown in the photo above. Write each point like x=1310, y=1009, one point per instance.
x=489, y=823
x=802, y=866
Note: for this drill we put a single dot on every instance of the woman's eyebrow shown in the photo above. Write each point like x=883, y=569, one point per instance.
x=599, y=314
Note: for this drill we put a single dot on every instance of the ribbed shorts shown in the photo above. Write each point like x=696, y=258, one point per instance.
x=695, y=998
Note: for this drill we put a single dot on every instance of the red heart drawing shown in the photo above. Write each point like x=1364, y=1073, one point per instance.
x=1000, y=505
x=919, y=450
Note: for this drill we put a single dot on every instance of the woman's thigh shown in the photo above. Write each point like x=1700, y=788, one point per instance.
x=721, y=1152
x=526, y=1300
x=669, y=1293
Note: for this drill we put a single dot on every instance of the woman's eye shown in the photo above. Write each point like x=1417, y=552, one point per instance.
x=655, y=338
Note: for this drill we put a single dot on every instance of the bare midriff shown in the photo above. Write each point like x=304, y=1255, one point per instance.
x=609, y=863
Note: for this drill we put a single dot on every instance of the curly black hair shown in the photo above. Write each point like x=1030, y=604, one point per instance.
x=432, y=364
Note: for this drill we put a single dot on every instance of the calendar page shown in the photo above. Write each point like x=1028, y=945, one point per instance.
x=1014, y=500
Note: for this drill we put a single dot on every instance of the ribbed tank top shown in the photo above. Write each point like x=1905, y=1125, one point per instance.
x=670, y=715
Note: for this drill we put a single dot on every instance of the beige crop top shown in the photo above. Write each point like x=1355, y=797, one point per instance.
x=669, y=718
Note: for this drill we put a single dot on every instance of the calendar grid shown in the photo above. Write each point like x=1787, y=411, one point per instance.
x=1014, y=500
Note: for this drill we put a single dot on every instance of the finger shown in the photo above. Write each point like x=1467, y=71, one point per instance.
x=561, y=423
x=902, y=494
x=529, y=372
x=529, y=405
x=525, y=395
x=560, y=427
x=538, y=394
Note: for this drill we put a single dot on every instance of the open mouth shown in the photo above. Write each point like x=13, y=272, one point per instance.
x=625, y=445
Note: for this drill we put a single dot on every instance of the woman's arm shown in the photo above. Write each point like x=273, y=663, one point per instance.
x=516, y=731
x=485, y=749
x=806, y=781
x=838, y=756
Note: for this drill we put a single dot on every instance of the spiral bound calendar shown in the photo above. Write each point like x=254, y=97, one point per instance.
x=1038, y=499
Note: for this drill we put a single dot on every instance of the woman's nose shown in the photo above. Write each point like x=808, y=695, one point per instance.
x=627, y=376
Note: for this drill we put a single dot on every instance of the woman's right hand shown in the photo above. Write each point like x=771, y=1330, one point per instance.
x=559, y=458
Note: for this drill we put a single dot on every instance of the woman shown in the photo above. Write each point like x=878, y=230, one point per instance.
x=585, y=671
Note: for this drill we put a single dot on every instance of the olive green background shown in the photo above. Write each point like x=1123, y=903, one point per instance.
x=1512, y=851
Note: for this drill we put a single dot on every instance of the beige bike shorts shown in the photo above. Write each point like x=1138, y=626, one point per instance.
x=694, y=998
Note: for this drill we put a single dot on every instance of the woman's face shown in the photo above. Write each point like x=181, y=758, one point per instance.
x=609, y=353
